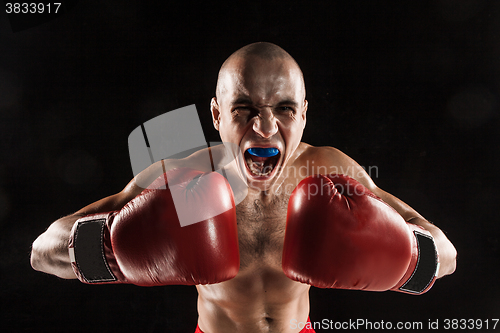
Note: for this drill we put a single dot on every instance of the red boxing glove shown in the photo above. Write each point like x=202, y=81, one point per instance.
x=341, y=235
x=182, y=233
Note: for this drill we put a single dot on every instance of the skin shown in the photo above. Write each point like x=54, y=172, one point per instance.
x=260, y=102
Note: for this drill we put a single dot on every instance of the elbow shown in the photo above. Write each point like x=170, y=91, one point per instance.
x=453, y=261
x=446, y=252
x=35, y=263
x=48, y=260
x=36, y=258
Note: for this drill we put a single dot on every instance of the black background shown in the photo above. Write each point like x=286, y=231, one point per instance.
x=408, y=87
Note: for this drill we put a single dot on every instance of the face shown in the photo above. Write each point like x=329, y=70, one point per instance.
x=261, y=104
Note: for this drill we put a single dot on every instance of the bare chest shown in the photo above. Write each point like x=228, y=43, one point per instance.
x=261, y=229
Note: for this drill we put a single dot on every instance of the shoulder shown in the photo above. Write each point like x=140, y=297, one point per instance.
x=323, y=155
x=330, y=160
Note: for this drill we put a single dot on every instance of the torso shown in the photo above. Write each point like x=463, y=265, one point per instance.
x=260, y=298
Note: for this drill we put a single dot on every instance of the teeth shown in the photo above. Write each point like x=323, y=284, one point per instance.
x=259, y=169
x=260, y=166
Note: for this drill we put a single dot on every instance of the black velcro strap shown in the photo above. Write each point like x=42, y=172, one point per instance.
x=426, y=267
x=89, y=251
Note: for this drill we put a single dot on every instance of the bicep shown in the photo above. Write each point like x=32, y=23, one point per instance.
x=130, y=191
x=108, y=204
x=346, y=165
x=141, y=181
x=405, y=210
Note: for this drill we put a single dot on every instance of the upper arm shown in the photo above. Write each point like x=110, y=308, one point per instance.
x=340, y=163
x=49, y=252
x=346, y=165
x=142, y=180
x=133, y=188
x=112, y=202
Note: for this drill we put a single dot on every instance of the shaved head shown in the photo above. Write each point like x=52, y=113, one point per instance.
x=260, y=103
x=250, y=55
x=263, y=50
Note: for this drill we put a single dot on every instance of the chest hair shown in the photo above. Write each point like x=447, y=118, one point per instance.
x=261, y=228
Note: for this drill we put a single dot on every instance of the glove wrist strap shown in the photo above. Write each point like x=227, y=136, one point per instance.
x=426, y=267
x=90, y=250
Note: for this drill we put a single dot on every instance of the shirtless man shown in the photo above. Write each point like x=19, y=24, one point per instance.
x=260, y=103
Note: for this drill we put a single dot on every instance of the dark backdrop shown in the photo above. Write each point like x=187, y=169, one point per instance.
x=408, y=87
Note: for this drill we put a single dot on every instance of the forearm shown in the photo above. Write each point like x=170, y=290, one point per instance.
x=446, y=251
x=49, y=252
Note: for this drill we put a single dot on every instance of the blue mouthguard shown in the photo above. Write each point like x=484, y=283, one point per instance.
x=263, y=152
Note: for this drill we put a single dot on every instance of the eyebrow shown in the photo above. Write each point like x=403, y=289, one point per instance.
x=242, y=100
x=288, y=102
x=247, y=100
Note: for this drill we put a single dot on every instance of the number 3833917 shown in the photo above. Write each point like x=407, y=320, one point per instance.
x=32, y=7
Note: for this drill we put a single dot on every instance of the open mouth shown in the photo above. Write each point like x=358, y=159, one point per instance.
x=261, y=162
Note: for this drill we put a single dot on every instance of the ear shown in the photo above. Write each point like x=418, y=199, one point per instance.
x=214, y=108
x=306, y=104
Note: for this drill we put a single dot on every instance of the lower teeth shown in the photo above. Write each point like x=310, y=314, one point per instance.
x=259, y=169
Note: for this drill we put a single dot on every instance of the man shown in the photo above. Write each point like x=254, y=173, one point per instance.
x=260, y=106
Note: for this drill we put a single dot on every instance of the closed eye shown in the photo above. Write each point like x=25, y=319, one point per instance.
x=244, y=111
x=286, y=109
x=241, y=108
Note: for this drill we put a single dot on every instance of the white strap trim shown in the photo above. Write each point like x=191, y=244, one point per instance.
x=71, y=252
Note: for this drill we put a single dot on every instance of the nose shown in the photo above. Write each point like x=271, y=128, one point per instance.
x=265, y=125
